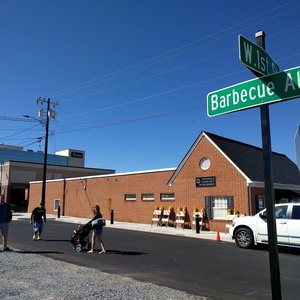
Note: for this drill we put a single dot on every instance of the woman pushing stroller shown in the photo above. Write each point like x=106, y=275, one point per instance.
x=97, y=229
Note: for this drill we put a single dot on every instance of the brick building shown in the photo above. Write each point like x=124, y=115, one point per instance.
x=216, y=174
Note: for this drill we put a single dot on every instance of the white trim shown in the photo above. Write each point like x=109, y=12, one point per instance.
x=203, y=134
x=108, y=175
x=229, y=160
x=170, y=182
x=279, y=186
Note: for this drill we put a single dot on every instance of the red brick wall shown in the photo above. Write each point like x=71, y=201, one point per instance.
x=229, y=182
x=81, y=195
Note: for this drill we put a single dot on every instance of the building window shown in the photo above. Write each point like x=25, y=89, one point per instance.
x=205, y=163
x=130, y=197
x=259, y=203
x=148, y=197
x=56, y=204
x=167, y=196
x=217, y=207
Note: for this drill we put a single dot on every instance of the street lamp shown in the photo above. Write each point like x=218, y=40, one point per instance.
x=50, y=114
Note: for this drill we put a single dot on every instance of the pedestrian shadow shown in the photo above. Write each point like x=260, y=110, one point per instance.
x=281, y=249
x=50, y=240
x=120, y=252
x=37, y=252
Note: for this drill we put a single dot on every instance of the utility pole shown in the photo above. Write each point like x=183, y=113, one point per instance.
x=50, y=114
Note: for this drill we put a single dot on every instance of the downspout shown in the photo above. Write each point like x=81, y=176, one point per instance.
x=64, y=197
x=250, y=199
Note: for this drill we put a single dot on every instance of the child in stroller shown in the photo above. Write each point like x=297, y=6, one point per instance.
x=80, y=237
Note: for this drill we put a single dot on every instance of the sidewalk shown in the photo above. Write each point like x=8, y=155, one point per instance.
x=210, y=235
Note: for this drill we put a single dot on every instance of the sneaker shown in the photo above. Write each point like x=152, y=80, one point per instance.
x=102, y=252
x=91, y=251
x=39, y=238
x=7, y=249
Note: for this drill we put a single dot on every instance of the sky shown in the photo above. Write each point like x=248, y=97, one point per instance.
x=131, y=77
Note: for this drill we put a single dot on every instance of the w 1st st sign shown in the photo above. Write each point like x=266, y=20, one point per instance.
x=256, y=58
x=264, y=90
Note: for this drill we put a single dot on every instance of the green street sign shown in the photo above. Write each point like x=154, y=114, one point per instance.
x=264, y=90
x=256, y=58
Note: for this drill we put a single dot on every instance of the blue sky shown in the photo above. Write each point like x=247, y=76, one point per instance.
x=131, y=76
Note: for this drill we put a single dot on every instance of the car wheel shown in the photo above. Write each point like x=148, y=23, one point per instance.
x=244, y=238
x=78, y=248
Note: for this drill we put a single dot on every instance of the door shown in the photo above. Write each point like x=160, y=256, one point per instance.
x=294, y=226
x=281, y=225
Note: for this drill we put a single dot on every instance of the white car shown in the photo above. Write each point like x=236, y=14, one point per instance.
x=252, y=230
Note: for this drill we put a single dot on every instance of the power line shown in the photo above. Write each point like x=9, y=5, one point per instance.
x=146, y=98
x=154, y=75
x=16, y=119
x=134, y=118
x=145, y=63
x=174, y=68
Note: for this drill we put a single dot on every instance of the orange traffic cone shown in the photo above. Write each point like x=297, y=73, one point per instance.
x=218, y=236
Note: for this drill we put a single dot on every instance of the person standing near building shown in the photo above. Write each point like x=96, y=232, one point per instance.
x=5, y=218
x=97, y=231
x=37, y=216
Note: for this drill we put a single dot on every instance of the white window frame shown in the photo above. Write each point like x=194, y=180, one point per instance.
x=220, y=209
x=56, y=204
x=261, y=202
x=147, y=196
x=130, y=197
x=164, y=197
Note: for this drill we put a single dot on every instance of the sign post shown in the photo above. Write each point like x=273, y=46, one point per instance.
x=270, y=86
x=269, y=191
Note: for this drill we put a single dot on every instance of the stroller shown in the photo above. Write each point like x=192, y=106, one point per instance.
x=80, y=237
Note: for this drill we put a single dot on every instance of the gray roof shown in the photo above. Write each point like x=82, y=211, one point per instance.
x=249, y=159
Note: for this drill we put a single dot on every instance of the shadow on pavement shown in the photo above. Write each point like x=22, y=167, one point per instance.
x=281, y=249
x=121, y=252
x=56, y=240
x=37, y=252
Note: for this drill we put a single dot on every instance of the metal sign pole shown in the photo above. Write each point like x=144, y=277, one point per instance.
x=269, y=191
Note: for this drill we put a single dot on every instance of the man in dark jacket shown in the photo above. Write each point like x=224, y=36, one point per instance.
x=5, y=218
x=37, y=216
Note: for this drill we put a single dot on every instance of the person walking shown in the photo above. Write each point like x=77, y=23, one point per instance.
x=5, y=218
x=37, y=216
x=97, y=231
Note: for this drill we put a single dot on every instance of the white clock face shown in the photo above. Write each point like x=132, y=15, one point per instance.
x=205, y=163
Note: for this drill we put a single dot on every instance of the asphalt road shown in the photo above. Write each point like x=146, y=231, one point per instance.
x=215, y=269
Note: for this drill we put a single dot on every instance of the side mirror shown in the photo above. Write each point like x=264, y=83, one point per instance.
x=263, y=215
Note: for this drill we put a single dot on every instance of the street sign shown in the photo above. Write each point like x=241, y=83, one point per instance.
x=256, y=58
x=268, y=89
